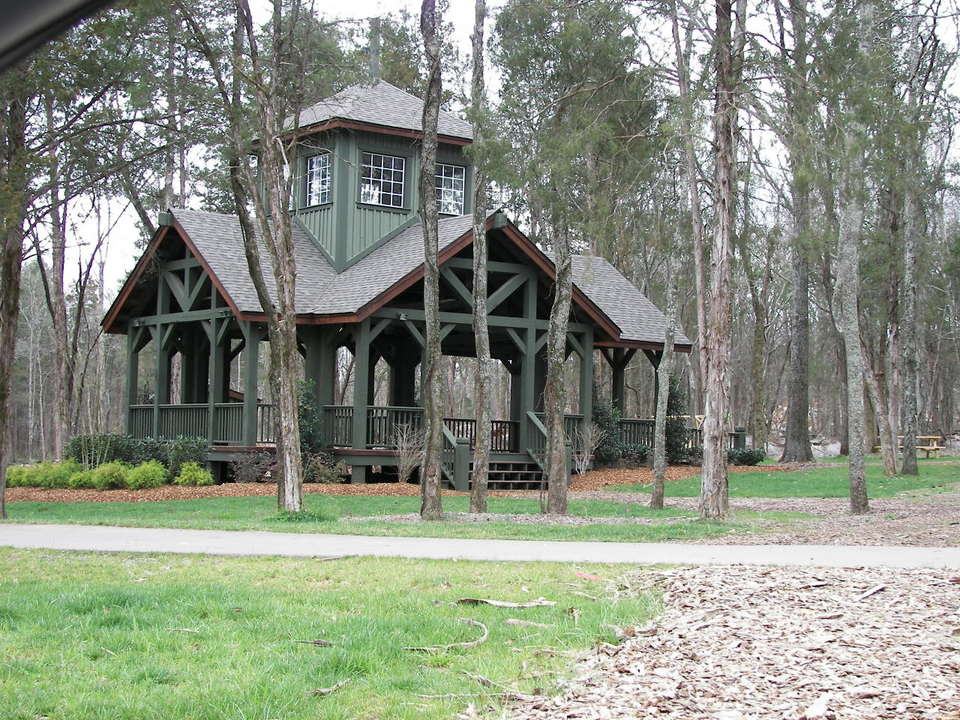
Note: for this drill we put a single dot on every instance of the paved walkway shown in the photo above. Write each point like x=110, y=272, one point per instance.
x=222, y=542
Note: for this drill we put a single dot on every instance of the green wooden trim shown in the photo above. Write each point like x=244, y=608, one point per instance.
x=379, y=328
x=512, y=334
x=457, y=284
x=541, y=342
x=586, y=377
x=467, y=319
x=188, y=316
x=251, y=339
x=575, y=344
x=415, y=331
x=185, y=263
x=361, y=369
x=446, y=330
x=492, y=266
x=505, y=291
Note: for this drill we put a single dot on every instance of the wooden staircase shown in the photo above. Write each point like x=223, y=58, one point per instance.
x=519, y=473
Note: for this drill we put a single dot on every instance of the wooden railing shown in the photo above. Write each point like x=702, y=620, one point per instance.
x=338, y=425
x=383, y=422
x=504, y=436
x=168, y=422
x=634, y=431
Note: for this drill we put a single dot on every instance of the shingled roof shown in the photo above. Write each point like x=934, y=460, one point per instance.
x=380, y=104
x=321, y=291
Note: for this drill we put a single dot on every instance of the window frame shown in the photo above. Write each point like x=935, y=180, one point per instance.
x=306, y=180
x=463, y=189
x=403, y=194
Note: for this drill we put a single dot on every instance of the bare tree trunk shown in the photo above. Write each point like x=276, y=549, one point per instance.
x=908, y=333
x=848, y=272
x=664, y=370
x=483, y=382
x=796, y=446
x=13, y=174
x=888, y=443
x=683, y=53
x=430, y=508
x=276, y=81
x=714, y=500
x=554, y=392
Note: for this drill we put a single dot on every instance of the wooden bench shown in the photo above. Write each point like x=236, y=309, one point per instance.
x=927, y=443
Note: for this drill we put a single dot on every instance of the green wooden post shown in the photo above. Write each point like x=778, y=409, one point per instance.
x=361, y=368
x=215, y=378
x=528, y=363
x=133, y=372
x=586, y=379
x=461, y=465
x=251, y=362
x=618, y=389
x=161, y=386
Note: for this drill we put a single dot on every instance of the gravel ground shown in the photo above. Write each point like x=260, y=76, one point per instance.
x=526, y=519
x=745, y=643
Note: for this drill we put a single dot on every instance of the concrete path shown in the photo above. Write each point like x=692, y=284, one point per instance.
x=222, y=542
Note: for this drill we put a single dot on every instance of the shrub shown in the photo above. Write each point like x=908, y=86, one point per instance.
x=310, y=415
x=675, y=432
x=607, y=418
x=149, y=448
x=634, y=455
x=252, y=467
x=110, y=476
x=99, y=448
x=54, y=475
x=321, y=467
x=81, y=480
x=191, y=473
x=745, y=456
x=150, y=474
x=185, y=450
x=19, y=475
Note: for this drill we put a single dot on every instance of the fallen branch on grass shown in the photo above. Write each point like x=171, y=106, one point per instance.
x=520, y=697
x=318, y=643
x=466, y=645
x=330, y=690
x=524, y=623
x=540, y=602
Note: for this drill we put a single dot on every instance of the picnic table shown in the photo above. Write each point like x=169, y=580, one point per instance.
x=927, y=443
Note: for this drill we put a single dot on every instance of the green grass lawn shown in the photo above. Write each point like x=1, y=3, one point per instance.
x=828, y=482
x=332, y=514
x=143, y=637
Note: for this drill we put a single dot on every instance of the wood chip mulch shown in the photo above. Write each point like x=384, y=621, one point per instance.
x=745, y=643
x=600, y=479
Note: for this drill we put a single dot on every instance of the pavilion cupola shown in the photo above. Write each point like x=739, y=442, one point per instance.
x=358, y=167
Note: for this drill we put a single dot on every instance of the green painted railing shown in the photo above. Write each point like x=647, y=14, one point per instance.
x=169, y=422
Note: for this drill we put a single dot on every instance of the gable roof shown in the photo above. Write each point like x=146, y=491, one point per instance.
x=380, y=104
x=326, y=295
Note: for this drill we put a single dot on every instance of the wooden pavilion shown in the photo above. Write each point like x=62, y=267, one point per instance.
x=359, y=251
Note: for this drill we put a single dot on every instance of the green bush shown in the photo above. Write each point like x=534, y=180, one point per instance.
x=634, y=455
x=192, y=473
x=252, y=467
x=100, y=448
x=149, y=448
x=81, y=480
x=110, y=476
x=17, y=475
x=310, y=415
x=150, y=474
x=675, y=432
x=54, y=475
x=610, y=448
x=185, y=450
x=321, y=467
x=745, y=456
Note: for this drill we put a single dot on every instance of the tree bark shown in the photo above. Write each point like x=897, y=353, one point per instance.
x=714, y=500
x=664, y=370
x=848, y=271
x=554, y=392
x=483, y=382
x=430, y=507
x=908, y=334
x=277, y=90
x=13, y=180
x=693, y=186
x=796, y=446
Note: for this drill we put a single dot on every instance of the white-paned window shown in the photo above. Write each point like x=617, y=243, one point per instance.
x=381, y=179
x=450, y=184
x=318, y=180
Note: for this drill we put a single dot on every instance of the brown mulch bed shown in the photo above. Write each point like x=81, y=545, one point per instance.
x=751, y=643
x=599, y=479
x=175, y=492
